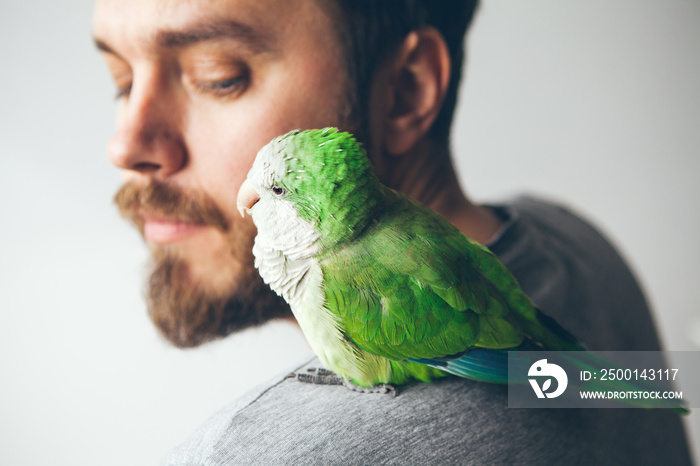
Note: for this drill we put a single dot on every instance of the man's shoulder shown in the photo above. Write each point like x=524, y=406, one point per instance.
x=209, y=443
x=450, y=421
x=291, y=421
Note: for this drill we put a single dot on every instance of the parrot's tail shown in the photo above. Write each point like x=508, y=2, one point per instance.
x=480, y=364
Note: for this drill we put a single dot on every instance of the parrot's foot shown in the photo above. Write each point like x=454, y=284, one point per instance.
x=318, y=376
x=321, y=376
x=384, y=389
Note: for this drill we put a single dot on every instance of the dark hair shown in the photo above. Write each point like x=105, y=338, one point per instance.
x=372, y=29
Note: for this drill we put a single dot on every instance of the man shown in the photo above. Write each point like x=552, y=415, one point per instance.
x=203, y=85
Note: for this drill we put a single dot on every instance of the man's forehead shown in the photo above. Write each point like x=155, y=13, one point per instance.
x=154, y=24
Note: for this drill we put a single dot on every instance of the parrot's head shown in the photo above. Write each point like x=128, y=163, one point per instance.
x=320, y=178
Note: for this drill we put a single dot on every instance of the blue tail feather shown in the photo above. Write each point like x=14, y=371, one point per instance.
x=480, y=364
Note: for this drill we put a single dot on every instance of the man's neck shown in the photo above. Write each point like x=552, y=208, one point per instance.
x=436, y=185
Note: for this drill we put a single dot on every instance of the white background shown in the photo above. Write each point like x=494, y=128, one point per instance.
x=594, y=103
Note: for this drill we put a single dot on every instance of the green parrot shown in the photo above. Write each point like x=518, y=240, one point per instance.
x=384, y=289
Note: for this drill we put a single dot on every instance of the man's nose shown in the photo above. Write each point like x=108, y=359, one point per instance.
x=149, y=138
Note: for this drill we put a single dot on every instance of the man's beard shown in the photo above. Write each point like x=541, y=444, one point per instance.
x=185, y=311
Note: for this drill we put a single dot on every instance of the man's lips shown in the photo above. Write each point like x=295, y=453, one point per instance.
x=165, y=231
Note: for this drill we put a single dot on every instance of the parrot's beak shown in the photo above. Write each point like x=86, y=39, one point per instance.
x=247, y=197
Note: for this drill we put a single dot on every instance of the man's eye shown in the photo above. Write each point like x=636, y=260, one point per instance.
x=224, y=87
x=123, y=91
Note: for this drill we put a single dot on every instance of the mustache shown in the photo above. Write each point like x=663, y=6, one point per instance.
x=165, y=200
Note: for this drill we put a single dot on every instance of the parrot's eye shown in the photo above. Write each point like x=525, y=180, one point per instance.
x=278, y=190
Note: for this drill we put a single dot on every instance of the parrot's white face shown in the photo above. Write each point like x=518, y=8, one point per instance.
x=262, y=195
x=286, y=244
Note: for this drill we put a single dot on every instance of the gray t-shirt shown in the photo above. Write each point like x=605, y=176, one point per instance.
x=574, y=275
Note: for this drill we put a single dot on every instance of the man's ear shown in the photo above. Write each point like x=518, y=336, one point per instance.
x=418, y=83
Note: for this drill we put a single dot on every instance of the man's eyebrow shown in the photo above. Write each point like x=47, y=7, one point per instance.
x=212, y=30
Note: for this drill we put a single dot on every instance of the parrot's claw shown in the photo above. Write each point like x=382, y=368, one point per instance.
x=317, y=376
x=384, y=389
x=321, y=376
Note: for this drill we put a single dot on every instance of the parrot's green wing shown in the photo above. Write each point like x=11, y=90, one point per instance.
x=414, y=287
